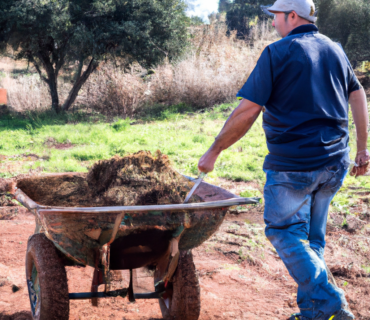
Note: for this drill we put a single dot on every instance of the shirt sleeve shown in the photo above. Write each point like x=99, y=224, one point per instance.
x=353, y=83
x=258, y=87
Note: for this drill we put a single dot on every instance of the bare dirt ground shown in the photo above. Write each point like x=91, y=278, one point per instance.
x=240, y=274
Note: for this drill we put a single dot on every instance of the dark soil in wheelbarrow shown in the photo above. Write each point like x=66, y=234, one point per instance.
x=137, y=179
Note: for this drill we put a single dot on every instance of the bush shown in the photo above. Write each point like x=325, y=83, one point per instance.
x=214, y=69
x=348, y=22
x=121, y=125
x=111, y=91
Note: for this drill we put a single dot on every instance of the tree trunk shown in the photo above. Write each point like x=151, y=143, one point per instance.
x=53, y=87
x=51, y=80
x=78, y=84
x=79, y=69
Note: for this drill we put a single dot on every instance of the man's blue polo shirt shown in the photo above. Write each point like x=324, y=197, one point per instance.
x=304, y=81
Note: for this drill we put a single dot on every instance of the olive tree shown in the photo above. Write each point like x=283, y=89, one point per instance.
x=241, y=14
x=76, y=35
x=348, y=22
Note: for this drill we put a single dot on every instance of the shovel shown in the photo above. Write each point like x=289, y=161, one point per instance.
x=196, y=185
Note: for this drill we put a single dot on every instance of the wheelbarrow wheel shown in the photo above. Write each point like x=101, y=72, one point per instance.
x=182, y=298
x=46, y=280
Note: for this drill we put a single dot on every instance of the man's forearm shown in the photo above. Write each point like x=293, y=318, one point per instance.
x=237, y=125
x=357, y=100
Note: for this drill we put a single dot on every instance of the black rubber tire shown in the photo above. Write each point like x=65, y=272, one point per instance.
x=183, y=292
x=46, y=271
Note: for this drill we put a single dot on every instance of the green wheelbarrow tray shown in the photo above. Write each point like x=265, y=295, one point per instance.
x=127, y=237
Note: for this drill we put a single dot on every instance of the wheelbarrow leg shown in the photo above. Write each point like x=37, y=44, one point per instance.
x=97, y=280
x=103, y=276
x=131, y=296
x=105, y=257
x=105, y=263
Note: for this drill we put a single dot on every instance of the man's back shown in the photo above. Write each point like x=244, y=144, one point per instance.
x=306, y=81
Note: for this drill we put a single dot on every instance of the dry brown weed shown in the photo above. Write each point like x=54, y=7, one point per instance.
x=211, y=72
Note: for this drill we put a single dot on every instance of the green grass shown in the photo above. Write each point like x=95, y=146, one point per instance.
x=366, y=268
x=182, y=136
x=249, y=193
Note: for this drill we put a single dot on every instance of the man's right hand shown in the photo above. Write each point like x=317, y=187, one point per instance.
x=207, y=161
x=362, y=161
x=236, y=126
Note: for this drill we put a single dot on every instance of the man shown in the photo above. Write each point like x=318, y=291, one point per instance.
x=305, y=83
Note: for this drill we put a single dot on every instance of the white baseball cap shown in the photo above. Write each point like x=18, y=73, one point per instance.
x=304, y=8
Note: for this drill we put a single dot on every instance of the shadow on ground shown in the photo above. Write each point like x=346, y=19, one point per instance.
x=24, y=315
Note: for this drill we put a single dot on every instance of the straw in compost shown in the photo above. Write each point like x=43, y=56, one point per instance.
x=136, y=179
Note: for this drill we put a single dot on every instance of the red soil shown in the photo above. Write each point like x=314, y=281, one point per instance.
x=257, y=287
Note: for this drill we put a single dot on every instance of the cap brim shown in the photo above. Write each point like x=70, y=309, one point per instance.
x=266, y=10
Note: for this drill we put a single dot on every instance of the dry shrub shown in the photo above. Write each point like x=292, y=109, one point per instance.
x=113, y=92
x=26, y=93
x=262, y=35
x=213, y=70
x=30, y=93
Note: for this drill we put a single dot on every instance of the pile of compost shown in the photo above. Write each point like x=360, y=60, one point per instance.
x=6, y=201
x=6, y=187
x=136, y=179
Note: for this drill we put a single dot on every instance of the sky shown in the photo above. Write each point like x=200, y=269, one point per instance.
x=202, y=8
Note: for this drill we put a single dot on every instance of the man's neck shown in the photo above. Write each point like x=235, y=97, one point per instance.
x=310, y=27
x=297, y=25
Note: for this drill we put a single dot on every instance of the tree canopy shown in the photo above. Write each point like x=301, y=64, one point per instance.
x=196, y=21
x=240, y=14
x=345, y=21
x=56, y=34
x=348, y=22
x=223, y=5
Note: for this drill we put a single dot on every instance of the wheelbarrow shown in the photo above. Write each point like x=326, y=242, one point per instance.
x=159, y=237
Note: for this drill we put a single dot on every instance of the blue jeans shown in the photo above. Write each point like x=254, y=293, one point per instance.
x=296, y=211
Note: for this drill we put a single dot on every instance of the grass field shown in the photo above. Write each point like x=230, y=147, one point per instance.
x=184, y=137
x=73, y=142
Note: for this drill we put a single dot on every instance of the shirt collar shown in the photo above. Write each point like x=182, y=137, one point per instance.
x=304, y=29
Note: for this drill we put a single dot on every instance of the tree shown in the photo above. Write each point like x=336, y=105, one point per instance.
x=223, y=5
x=348, y=22
x=196, y=21
x=55, y=35
x=241, y=12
